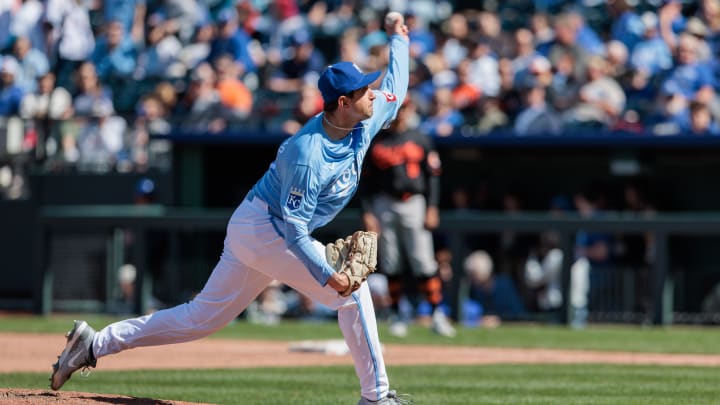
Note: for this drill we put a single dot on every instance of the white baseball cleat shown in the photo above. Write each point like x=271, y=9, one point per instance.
x=392, y=398
x=441, y=324
x=398, y=327
x=77, y=354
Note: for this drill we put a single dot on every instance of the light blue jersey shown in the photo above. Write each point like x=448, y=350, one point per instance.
x=313, y=177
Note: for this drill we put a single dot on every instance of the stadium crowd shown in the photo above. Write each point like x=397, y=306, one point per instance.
x=93, y=84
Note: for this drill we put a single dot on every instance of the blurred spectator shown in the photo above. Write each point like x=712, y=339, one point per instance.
x=302, y=62
x=671, y=21
x=465, y=94
x=591, y=202
x=542, y=30
x=689, y=78
x=543, y=271
x=510, y=99
x=101, y=139
x=43, y=109
x=151, y=120
x=701, y=120
x=495, y=293
x=421, y=85
x=565, y=43
x=167, y=93
x=524, y=54
x=422, y=41
x=90, y=92
x=590, y=273
x=350, y=48
x=637, y=251
x=697, y=28
x=378, y=57
x=269, y=306
x=115, y=55
x=514, y=247
x=490, y=117
x=483, y=70
x=627, y=27
x=278, y=23
x=651, y=54
x=564, y=87
x=373, y=33
x=48, y=102
x=231, y=39
x=153, y=115
x=23, y=21
x=7, y=12
x=234, y=95
x=709, y=13
x=454, y=47
x=332, y=19
x=602, y=100
x=310, y=104
x=616, y=60
x=160, y=58
x=33, y=64
x=130, y=14
x=182, y=16
x=71, y=38
x=536, y=117
x=670, y=116
x=443, y=120
x=200, y=107
x=587, y=38
x=11, y=93
x=198, y=50
x=489, y=30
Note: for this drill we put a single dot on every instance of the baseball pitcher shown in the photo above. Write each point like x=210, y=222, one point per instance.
x=313, y=177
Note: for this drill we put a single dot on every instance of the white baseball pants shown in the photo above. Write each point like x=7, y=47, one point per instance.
x=254, y=254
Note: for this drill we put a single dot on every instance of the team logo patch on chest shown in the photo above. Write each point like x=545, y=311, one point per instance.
x=295, y=198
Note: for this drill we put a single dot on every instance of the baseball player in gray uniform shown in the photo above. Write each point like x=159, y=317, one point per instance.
x=313, y=177
x=400, y=191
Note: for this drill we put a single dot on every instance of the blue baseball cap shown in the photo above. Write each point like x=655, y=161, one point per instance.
x=342, y=78
x=145, y=186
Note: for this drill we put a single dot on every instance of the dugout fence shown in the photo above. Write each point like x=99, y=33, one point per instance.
x=58, y=224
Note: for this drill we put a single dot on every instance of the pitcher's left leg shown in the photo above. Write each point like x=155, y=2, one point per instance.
x=359, y=327
x=356, y=315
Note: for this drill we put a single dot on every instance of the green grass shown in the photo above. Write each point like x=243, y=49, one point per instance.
x=446, y=385
x=676, y=339
x=482, y=384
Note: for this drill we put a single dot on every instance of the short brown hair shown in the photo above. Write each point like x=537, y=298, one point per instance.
x=330, y=106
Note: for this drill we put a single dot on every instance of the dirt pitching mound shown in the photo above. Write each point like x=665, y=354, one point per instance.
x=16, y=396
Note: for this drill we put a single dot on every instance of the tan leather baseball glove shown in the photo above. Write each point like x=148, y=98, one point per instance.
x=355, y=257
